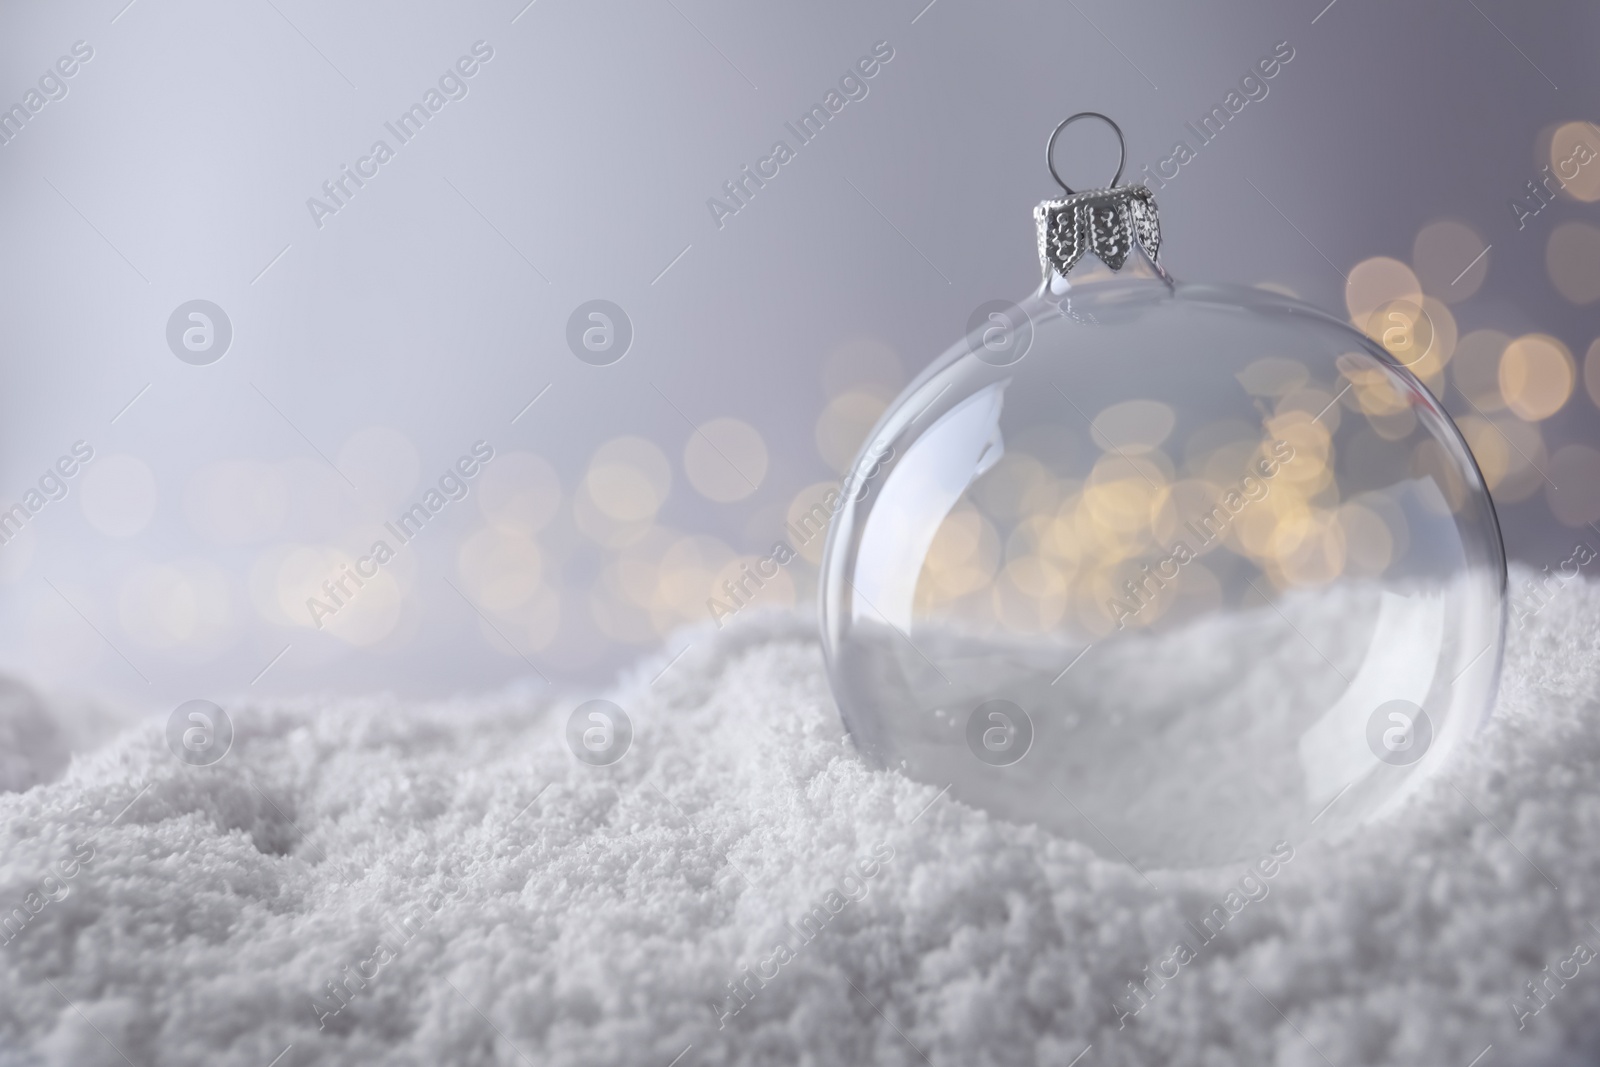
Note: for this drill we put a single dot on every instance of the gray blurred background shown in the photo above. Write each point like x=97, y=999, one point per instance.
x=373, y=345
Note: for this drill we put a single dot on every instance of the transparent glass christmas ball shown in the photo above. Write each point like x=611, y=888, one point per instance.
x=1179, y=571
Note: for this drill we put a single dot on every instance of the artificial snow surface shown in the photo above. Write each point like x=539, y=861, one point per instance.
x=486, y=898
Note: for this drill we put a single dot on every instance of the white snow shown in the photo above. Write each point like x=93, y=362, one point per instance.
x=512, y=905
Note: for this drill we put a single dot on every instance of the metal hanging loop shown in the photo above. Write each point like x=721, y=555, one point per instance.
x=1049, y=148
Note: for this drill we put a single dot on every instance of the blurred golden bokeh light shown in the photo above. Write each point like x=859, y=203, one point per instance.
x=1529, y=458
x=1420, y=336
x=1450, y=261
x=1476, y=368
x=725, y=459
x=1378, y=281
x=1591, y=371
x=1572, y=258
x=1489, y=447
x=808, y=518
x=688, y=576
x=359, y=616
x=1030, y=550
x=519, y=490
x=1133, y=426
x=1536, y=376
x=500, y=568
x=1575, y=159
x=628, y=479
x=843, y=427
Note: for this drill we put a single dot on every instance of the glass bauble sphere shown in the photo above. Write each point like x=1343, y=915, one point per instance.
x=1179, y=571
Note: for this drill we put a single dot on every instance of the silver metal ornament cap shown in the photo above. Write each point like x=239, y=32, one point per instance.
x=1106, y=222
